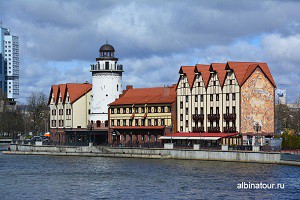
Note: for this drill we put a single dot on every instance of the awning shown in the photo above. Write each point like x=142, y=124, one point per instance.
x=188, y=138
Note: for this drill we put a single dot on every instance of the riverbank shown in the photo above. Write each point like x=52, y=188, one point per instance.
x=210, y=155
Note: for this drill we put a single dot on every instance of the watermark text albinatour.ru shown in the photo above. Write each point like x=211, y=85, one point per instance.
x=260, y=185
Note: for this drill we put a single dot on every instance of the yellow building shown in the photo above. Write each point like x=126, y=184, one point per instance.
x=140, y=116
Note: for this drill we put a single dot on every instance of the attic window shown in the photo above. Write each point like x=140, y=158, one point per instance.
x=107, y=95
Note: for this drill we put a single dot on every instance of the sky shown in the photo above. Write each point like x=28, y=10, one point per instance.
x=152, y=38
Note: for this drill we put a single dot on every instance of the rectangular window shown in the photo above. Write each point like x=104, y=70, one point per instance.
x=162, y=109
x=227, y=109
x=186, y=123
x=233, y=96
x=98, y=123
x=186, y=98
x=196, y=110
x=211, y=97
x=118, y=110
x=143, y=122
x=211, y=110
x=233, y=109
x=53, y=112
x=136, y=110
x=169, y=109
x=181, y=104
x=124, y=110
x=201, y=97
x=201, y=110
x=217, y=97
x=124, y=122
x=118, y=122
x=217, y=110
x=112, y=122
x=136, y=122
x=155, y=138
x=130, y=122
x=198, y=84
x=196, y=98
x=143, y=110
x=162, y=122
x=106, y=65
x=61, y=111
x=181, y=117
x=112, y=111
x=181, y=128
x=227, y=97
x=215, y=83
x=230, y=82
x=53, y=122
x=149, y=122
x=149, y=109
x=186, y=111
x=155, y=109
x=155, y=122
x=130, y=110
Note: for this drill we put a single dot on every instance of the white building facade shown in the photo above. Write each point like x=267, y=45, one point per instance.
x=107, y=83
x=9, y=64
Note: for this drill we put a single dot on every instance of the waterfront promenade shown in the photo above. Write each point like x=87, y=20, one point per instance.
x=158, y=153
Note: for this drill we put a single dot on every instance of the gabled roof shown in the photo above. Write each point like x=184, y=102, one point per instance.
x=75, y=90
x=243, y=70
x=154, y=95
x=220, y=69
x=189, y=72
x=204, y=70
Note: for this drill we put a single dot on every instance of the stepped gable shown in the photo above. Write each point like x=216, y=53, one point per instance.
x=221, y=71
x=154, y=95
x=77, y=90
x=204, y=70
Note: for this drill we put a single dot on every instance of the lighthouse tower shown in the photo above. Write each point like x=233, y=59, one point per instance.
x=107, y=83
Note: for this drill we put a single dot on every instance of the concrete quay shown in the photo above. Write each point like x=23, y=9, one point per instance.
x=101, y=151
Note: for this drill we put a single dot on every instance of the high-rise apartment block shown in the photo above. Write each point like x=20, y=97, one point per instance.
x=9, y=64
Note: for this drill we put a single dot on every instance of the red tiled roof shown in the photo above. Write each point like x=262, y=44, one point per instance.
x=204, y=70
x=147, y=95
x=62, y=90
x=220, y=69
x=189, y=72
x=188, y=134
x=138, y=127
x=243, y=70
x=75, y=90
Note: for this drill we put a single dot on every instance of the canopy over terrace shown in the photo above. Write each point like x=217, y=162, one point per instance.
x=194, y=137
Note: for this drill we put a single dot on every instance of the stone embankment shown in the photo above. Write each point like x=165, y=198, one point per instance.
x=212, y=155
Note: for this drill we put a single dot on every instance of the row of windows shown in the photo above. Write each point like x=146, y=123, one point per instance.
x=137, y=122
x=211, y=98
x=214, y=83
x=143, y=137
x=210, y=126
x=211, y=111
x=61, y=112
x=154, y=109
x=60, y=123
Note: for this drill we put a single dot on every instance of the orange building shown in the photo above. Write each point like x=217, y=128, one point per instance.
x=140, y=116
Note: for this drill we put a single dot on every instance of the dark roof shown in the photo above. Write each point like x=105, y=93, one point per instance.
x=107, y=47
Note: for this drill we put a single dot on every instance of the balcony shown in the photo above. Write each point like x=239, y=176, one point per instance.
x=198, y=117
x=213, y=116
x=213, y=129
x=229, y=116
x=198, y=129
x=229, y=129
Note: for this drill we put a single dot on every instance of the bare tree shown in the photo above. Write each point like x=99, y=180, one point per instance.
x=38, y=109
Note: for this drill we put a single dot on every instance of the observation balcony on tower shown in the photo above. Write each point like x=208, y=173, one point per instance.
x=106, y=68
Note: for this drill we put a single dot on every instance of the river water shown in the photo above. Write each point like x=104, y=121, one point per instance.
x=58, y=177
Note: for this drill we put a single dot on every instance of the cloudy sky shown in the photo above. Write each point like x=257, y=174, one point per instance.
x=60, y=39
